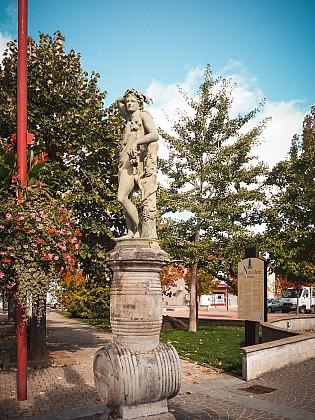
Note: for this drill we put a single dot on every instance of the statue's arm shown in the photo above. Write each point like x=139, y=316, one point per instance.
x=122, y=107
x=151, y=132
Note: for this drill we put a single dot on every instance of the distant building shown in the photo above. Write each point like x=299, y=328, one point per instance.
x=176, y=296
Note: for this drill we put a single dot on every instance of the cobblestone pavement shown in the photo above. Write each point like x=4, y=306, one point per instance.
x=65, y=389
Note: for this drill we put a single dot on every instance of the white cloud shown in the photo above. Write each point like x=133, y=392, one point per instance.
x=287, y=120
x=287, y=117
x=8, y=28
x=4, y=39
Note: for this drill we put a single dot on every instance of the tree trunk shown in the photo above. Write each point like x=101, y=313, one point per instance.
x=37, y=337
x=11, y=308
x=193, y=299
x=193, y=314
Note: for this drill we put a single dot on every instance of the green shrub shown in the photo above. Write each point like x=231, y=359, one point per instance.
x=84, y=299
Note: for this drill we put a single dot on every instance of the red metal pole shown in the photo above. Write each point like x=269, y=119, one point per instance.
x=21, y=354
x=22, y=93
x=22, y=174
x=227, y=297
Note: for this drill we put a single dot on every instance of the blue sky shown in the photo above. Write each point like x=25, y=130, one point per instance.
x=265, y=46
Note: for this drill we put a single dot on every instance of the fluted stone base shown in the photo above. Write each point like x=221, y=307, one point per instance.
x=134, y=385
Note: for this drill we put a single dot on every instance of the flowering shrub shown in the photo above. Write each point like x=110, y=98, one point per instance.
x=38, y=247
x=39, y=176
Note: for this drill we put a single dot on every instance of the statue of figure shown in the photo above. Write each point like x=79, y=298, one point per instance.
x=138, y=165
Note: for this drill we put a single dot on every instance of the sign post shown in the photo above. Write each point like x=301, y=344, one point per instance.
x=252, y=289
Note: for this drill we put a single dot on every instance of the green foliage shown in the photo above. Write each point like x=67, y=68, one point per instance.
x=213, y=175
x=290, y=233
x=38, y=170
x=66, y=115
x=216, y=346
x=215, y=178
x=7, y=168
x=84, y=299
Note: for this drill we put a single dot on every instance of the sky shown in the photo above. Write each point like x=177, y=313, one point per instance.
x=154, y=46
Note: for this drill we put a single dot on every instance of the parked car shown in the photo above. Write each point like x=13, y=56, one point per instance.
x=274, y=305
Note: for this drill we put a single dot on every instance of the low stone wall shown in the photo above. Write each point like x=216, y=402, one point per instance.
x=302, y=323
x=230, y=322
x=271, y=332
x=281, y=347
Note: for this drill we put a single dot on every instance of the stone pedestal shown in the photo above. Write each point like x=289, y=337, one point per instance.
x=136, y=374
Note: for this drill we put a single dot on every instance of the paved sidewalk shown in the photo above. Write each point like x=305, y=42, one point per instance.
x=65, y=389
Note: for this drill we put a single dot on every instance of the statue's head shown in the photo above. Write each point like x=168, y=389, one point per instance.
x=139, y=97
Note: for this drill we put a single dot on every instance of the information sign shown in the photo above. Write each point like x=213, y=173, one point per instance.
x=251, y=289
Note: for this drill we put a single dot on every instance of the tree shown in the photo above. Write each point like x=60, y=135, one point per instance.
x=206, y=282
x=170, y=274
x=80, y=137
x=212, y=176
x=290, y=233
x=66, y=115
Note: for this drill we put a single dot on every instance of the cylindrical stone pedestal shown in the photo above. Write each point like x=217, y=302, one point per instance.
x=136, y=374
x=136, y=296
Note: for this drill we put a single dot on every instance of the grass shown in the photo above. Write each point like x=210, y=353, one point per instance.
x=217, y=346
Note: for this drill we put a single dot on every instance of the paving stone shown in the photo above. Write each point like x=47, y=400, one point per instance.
x=68, y=392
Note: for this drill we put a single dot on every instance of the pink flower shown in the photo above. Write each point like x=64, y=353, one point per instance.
x=20, y=218
x=49, y=256
x=8, y=216
x=14, y=179
x=56, y=258
x=1, y=274
x=40, y=226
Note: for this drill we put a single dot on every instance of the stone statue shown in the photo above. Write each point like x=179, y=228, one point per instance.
x=138, y=165
x=135, y=374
